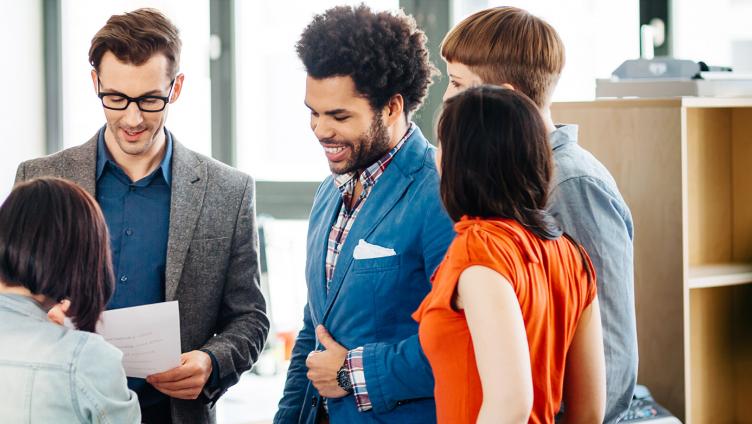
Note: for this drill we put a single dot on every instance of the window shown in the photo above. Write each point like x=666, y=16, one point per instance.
x=274, y=139
x=718, y=34
x=598, y=37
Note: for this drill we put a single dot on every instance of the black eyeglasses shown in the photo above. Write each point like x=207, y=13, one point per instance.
x=119, y=101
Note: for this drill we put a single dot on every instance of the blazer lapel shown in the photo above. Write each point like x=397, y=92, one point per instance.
x=387, y=191
x=319, y=244
x=188, y=189
x=81, y=165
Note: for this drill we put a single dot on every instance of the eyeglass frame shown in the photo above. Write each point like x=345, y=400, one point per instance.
x=137, y=100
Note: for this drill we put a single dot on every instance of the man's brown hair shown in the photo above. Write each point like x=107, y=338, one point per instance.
x=134, y=37
x=508, y=45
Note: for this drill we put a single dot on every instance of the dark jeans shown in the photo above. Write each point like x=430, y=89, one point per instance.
x=157, y=414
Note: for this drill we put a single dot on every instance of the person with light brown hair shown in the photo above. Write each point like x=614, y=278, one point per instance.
x=509, y=46
x=182, y=225
x=50, y=373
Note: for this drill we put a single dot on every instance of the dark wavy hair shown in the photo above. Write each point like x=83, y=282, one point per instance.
x=54, y=242
x=384, y=53
x=496, y=161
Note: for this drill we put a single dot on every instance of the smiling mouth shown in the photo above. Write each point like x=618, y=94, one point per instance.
x=334, y=150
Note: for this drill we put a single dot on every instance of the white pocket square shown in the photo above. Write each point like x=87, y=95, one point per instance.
x=365, y=250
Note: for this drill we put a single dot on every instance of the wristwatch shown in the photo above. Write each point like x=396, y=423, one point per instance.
x=343, y=379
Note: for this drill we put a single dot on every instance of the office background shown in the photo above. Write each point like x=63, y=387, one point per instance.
x=243, y=98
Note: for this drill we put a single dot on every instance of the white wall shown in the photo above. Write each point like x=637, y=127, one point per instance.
x=718, y=33
x=22, y=106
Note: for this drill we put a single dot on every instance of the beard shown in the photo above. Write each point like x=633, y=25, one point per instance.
x=367, y=149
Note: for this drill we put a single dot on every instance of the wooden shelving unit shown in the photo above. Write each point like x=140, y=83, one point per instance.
x=719, y=275
x=684, y=166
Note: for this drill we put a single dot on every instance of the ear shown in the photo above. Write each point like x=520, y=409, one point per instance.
x=394, y=109
x=177, y=88
x=94, y=81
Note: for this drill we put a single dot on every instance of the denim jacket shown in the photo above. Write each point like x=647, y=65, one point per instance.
x=589, y=207
x=51, y=374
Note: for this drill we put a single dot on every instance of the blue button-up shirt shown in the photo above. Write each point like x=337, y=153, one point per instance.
x=138, y=218
x=587, y=203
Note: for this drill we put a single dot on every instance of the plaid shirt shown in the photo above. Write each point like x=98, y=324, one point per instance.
x=337, y=236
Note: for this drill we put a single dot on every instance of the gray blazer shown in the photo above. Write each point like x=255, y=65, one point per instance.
x=212, y=259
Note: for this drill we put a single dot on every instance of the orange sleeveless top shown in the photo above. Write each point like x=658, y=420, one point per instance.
x=552, y=288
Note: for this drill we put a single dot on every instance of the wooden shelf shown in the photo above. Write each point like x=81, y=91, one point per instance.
x=682, y=165
x=719, y=275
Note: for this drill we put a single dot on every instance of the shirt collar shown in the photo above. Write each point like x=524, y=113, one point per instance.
x=563, y=134
x=104, y=156
x=23, y=305
x=372, y=173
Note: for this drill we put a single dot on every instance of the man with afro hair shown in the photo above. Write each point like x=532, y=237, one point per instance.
x=377, y=229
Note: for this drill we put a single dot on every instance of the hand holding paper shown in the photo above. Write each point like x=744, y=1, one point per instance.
x=186, y=381
x=148, y=336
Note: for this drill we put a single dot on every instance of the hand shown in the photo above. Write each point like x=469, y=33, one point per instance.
x=187, y=380
x=58, y=312
x=324, y=364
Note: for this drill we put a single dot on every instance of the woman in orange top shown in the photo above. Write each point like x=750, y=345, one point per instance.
x=511, y=322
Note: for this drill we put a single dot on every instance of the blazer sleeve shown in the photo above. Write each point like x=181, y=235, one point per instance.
x=293, y=397
x=296, y=384
x=400, y=372
x=242, y=317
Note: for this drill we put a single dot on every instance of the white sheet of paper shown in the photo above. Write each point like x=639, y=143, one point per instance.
x=148, y=336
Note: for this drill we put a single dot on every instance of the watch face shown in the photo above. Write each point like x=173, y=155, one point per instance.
x=343, y=380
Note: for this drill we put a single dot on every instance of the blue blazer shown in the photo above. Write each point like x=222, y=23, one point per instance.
x=370, y=301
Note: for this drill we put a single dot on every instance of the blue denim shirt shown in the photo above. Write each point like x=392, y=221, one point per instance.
x=51, y=374
x=589, y=207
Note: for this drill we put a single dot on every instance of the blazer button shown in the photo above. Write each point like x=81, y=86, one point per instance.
x=314, y=401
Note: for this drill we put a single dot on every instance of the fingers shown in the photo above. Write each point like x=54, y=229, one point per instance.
x=58, y=312
x=176, y=374
x=192, y=383
x=180, y=394
x=326, y=339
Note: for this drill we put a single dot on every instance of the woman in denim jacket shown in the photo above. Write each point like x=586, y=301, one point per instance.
x=54, y=245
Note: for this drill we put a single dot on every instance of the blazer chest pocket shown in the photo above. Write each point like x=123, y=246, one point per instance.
x=207, y=258
x=209, y=246
x=386, y=263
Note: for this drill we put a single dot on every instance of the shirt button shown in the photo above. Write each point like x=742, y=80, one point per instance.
x=124, y=278
x=132, y=188
x=129, y=232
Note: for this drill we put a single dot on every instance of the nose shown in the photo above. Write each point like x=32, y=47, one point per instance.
x=447, y=93
x=321, y=129
x=133, y=115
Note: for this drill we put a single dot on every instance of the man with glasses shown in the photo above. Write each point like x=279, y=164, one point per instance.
x=181, y=224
